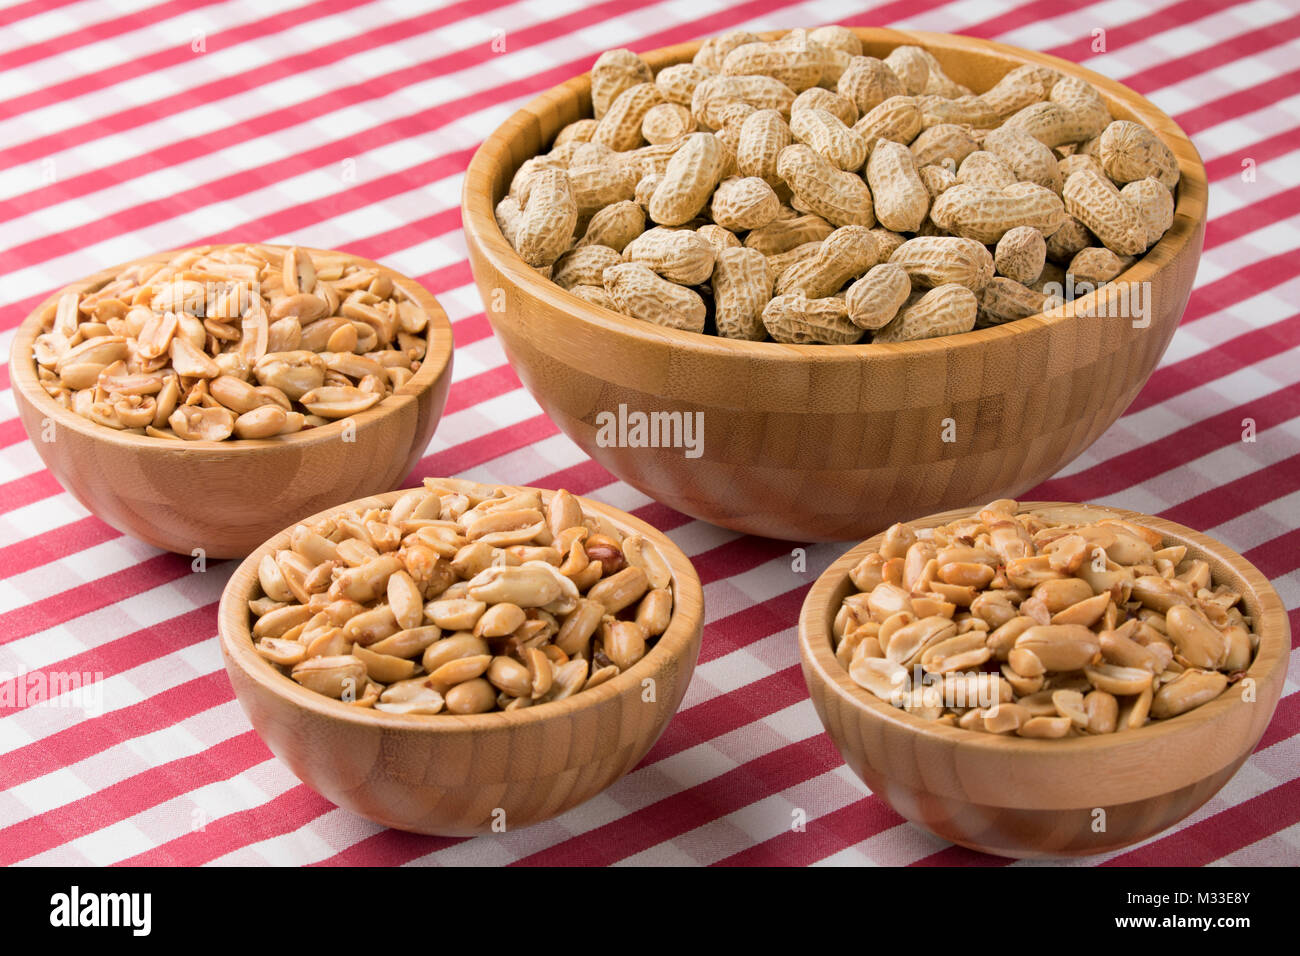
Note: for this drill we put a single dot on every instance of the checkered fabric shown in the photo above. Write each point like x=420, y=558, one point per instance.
x=137, y=125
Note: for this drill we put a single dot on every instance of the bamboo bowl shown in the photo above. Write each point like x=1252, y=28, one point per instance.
x=821, y=442
x=227, y=497
x=1017, y=797
x=456, y=775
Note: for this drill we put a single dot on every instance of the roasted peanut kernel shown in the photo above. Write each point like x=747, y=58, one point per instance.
x=458, y=671
x=336, y=677
x=907, y=644
x=384, y=668
x=1102, y=626
x=500, y=620
x=409, y=616
x=1189, y=689
x=642, y=554
x=1005, y=718
x=563, y=513
x=534, y=584
x=620, y=590
x=410, y=697
x=450, y=648
x=1051, y=727
x=475, y=696
x=409, y=643
x=280, y=651
x=568, y=679
x=227, y=326
x=655, y=611
x=606, y=552
x=624, y=642
x=579, y=626
x=885, y=678
x=455, y=614
x=1196, y=640
x=275, y=623
x=898, y=539
x=371, y=625
x=1120, y=681
x=510, y=676
x=962, y=652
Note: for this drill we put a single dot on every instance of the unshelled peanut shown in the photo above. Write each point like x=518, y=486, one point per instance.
x=799, y=190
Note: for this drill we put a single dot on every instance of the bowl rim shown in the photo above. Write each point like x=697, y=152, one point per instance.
x=684, y=630
x=815, y=651
x=481, y=228
x=438, y=355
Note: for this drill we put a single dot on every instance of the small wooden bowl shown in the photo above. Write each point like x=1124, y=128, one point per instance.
x=821, y=442
x=1016, y=797
x=228, y=497
x=455, y=775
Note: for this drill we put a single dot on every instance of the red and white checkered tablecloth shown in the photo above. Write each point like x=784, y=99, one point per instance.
x=138, y=125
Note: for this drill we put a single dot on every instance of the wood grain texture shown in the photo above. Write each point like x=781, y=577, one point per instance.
x=822, y=442
x=447, y=774
x=228, y=497
x=1027, y=798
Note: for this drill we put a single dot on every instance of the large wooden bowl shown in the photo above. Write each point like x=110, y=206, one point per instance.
x=820, y=442
x=228, y=497
x=1033, y=798
x=461, y=775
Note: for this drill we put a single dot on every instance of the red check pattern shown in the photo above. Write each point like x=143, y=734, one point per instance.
x=136, y=125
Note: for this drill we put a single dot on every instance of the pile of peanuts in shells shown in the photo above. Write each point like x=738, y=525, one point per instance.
x=461, y=598
x=1016, y=624
x=798, y=190
x=237, y=341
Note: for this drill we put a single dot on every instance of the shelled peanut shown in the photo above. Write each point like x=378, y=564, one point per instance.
x=460, y=598
x=232, y=342
x=831, y=164
x=1011, y=622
